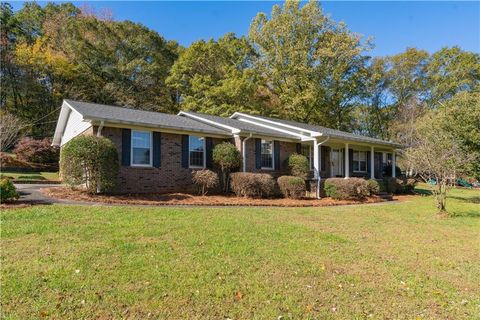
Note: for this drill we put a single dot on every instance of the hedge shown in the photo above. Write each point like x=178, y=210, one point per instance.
x=8, y=191
x=299, y=165
x=89, y=161
x=292, y=187
x=373, y=187
x=205, y=180
x=343, y=189
x=254, y=185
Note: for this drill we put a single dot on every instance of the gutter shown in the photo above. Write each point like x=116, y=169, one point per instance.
x=244, y=154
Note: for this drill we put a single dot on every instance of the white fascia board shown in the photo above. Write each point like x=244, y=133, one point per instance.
x=295, y=134
x=61, y=124
x=73, y=109
x=312, y=133
x=210, y=122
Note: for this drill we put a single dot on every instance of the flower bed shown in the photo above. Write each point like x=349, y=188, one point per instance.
x=66, y=193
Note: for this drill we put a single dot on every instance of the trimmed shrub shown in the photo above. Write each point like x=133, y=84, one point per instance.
x=8, y=191
x=343, y=189
x=400, y=185
x=90, y=161
x=373, y=187
x=228, y=158
x=205, y=180
x=298, y=165
x=37, y=151
x=292, y=187
x=254, y=185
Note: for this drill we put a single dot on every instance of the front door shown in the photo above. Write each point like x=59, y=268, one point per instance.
x=336, y=157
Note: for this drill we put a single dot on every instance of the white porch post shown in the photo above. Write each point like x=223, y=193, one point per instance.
x=372, y=165
x=347, y=162
x=393, y=164
x=316, y=162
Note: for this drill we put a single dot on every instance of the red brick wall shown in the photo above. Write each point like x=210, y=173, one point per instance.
x=286, y=149
x=170, y=177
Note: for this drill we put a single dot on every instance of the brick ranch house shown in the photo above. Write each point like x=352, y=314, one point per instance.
x=158, y=151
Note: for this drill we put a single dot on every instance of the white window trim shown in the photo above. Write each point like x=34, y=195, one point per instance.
x=366, y=162
x=204, y=153
x=273, y=155
x=151, y=150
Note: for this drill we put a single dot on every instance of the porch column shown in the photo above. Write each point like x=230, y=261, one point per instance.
x=372, y=163
x=347, y=162
x=393, y=164
x=316, y=161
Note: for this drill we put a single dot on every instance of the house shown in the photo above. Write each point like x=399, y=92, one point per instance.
x=158, y=151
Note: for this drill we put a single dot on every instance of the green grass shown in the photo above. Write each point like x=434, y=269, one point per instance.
x=395, y=261
x=52, y=176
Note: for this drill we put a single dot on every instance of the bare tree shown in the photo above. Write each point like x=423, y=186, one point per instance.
x=10, y=127
x=436, y=155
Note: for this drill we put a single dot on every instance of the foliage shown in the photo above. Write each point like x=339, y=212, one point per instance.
x=299, y=165
x=8, y=191
x=387, y=170
x=205, y=180
x=37, y=151
x=342, y=189
x=373, y=187
x=10, y=127
x=89, y=160
x=254, y=185
x=437, y=155
x=313, y=65
x=228, y=158
x=400, y=185
x=292, y=186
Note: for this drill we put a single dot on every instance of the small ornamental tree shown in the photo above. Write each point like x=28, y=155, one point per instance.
x=437, y=156
x=91, y=161
x=299, y=165
x=205, y=180
x=228, y=158
x=37, y=151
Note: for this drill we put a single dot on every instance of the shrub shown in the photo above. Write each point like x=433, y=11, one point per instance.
x=387, y=170
x=255, y=185
x=205, y=180
x=400, y=185
x=91, y=161
x=228, y=158
x=342, y=189
x=37, y=151
x=7, y=190
x=292, y=187
x=299, y=165
x=373, y=187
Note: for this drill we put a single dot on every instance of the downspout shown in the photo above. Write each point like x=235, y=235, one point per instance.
x=100, y=127
x=244, y=153
x=316, y=144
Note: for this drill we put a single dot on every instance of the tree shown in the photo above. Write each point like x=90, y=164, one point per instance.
x=228, y=158
x=437, y=155
x=315, y=67
x=10, y=128
x=218, y=77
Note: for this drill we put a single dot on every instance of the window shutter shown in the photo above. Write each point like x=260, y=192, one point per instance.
x=185, y=151
x=156, y=149
x=258, y=153
x=368, y=163
x=299, y=148
x=350, y=161
x=276, y=154
x=126, y=146
x=324, y=160
x=209, y=155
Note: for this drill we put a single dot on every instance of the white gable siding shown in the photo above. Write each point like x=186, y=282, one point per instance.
x=75, y=126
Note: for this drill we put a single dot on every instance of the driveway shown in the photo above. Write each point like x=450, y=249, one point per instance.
x=30, y=193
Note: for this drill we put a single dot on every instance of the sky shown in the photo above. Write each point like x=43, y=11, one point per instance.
x=394, y=26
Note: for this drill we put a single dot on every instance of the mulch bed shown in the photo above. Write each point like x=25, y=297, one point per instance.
x=178, y=199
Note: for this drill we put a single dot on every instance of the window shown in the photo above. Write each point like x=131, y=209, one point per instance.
x=141, y=148
x=196, y=152
x=359, y=161
x=267, y=154
x=306, y=150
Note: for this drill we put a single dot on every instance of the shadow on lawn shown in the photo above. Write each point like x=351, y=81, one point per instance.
x=474, y=199
x=467, y=214
x=423, y=192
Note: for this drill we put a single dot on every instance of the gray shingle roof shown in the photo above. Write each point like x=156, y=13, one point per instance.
x=243, y=126
x=96, y=111
x=332, y=132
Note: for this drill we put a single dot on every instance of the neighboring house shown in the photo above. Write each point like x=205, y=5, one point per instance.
x=158, y=151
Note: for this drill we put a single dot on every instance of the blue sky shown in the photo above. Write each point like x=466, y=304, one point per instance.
x=394, y=25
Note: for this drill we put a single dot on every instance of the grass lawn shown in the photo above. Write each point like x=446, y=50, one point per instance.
x=395, y=261
x=52, y=176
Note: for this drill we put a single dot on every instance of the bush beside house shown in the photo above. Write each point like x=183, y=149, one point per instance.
x=346, y=189
x=205, y=180
x=373, y=187
x=299, y=166
x=254, y=185
x=228, y=158
x=89, y=161
x=400, y=185
x=8, y=191
x=292, y=187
